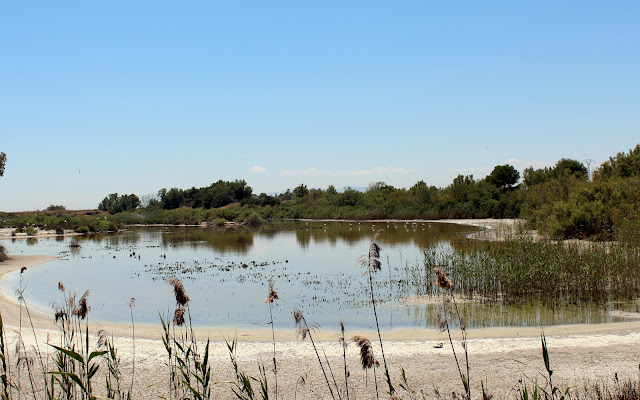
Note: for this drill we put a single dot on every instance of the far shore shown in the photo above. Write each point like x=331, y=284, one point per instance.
x=500, y=355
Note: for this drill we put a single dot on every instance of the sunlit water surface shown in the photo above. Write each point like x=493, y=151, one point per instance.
x=226, y=273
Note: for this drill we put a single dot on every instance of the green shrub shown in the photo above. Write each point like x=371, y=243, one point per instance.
x=3, y=254
x=31, y=231
x=82, y=229
x=253, y=219
x=59, y=230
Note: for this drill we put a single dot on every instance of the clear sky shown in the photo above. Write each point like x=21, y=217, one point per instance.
x=134, y=96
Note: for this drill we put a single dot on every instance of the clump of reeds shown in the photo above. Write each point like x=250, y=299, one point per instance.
x=113, y=379
x=75, y=363
x=242, y=386
x=189, y=370
x=516, y=268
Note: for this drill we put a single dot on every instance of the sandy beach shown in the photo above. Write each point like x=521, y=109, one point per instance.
x=498, y=356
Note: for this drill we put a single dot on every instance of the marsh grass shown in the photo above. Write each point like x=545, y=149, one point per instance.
x=521, y=268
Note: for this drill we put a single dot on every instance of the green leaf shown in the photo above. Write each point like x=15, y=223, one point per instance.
x=70, y=353
x=96, y=354
x=73, y=376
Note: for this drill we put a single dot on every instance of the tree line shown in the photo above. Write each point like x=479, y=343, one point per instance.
x=560, y=200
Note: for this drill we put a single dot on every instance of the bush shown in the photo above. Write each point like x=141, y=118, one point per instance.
x=82, y=229
x=31, y=231
x=254, y=219
x=55, y=207
x=3, y=254
x=59, y=230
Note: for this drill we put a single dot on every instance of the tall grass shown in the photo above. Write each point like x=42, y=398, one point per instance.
x=519, y=268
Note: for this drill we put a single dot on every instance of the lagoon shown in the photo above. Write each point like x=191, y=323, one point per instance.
x=313, y=264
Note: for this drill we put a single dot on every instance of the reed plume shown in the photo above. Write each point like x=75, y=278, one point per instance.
x=82, y=309
x=178, y=289
x=367, y=360
x=178, y=316
x=366, y=351
x=273, y=294
x=442, y=280
x=61, y=287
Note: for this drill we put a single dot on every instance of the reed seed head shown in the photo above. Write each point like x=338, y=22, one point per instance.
x=366, y=351
x=132, y=302
x=273, y=294
x=102, y=338
x=82, y=309
x=23, y=269
x=178, y=316
x=178, y=289
x=59, y=315
x=61, y=287
x=374, y=257
x=442, y=280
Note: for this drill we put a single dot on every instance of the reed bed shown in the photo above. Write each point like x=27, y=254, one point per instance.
x=516, y=269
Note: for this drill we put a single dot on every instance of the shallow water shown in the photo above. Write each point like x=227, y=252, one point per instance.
x=226, y=273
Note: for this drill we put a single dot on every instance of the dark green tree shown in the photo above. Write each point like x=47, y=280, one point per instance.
x=504, y=176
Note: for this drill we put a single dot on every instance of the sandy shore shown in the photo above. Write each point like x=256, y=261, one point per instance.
x=498, y=356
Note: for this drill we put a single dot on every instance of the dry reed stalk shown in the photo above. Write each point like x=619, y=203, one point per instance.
x=304, y=330
x=443, y=282
x=271, y=297
x=343, y=342
x=372, y=265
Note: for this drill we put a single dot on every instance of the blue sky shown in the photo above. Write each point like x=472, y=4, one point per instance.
x=131, y=97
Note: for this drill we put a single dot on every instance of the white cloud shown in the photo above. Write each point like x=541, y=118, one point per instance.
x=305, y=172
x=256, y=169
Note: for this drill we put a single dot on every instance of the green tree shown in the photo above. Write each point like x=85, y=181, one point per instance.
x=301, y=190
x=622, y=165
x=3, y=163
x=504, y=176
